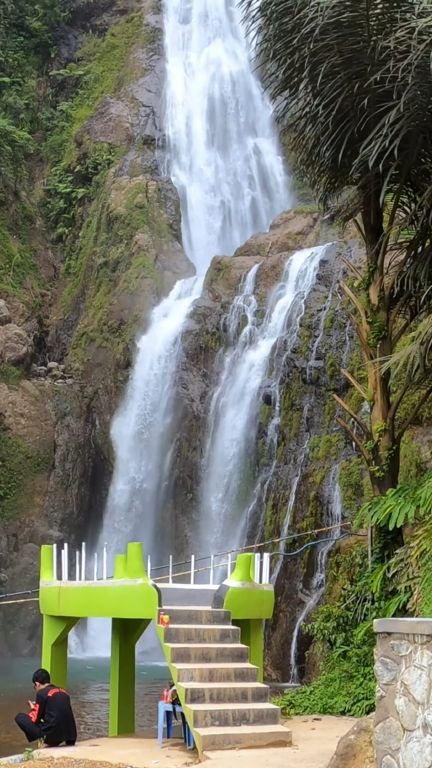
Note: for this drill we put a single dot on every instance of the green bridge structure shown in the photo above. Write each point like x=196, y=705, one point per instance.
x=214, y=652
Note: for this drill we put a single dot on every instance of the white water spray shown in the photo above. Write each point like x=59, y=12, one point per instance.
x=228, y=474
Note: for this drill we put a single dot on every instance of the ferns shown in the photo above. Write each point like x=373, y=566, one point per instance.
x=410, y=568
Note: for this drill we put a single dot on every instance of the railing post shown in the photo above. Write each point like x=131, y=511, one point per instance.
x=192, y=580
x=149, y=566
x=104, y=563
x=55, y=561
x=229, y=565
x=66, y=559
x=95, y=567
x=170, y=569
x=211, y=568
x=257, y=567
x=266, y=568
x=62, y=559
x=83, y=561
x=77, y=565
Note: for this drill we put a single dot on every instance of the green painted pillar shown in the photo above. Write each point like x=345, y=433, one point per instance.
x=125, y=634
x=252, y=634
x=55, y=633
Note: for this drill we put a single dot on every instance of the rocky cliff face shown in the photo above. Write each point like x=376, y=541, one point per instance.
x=62, y=368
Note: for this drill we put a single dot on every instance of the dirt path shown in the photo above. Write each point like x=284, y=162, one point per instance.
x=314, y=742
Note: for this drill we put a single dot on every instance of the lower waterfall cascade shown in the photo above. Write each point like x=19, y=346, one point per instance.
x=234, y=411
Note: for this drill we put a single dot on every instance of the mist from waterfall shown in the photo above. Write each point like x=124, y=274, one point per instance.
x=225, y=161
x=229, y=484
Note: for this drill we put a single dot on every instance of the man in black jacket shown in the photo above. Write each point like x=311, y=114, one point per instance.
x=50, y=718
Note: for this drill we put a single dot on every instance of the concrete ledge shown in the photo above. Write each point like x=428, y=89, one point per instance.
x=403, y=626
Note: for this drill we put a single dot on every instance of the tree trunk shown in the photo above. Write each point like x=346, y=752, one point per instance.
x=384, y=448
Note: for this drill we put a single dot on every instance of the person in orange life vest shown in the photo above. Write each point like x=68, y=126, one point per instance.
x=50, y=718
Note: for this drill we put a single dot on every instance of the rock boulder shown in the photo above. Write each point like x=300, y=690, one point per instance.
x=355, y=749
x=15, y=346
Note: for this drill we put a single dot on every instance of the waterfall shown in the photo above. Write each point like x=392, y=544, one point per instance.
x=332, y=517
x=225, y=161
x=228, y=482
x=224, y=157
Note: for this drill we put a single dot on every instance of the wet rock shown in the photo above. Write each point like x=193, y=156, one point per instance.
x=39, y=371
x=52, y=366
x=15, y=346
x=111, y=124
x=5, y=316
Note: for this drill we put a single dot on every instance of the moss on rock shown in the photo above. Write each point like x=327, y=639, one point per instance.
x=18, y=462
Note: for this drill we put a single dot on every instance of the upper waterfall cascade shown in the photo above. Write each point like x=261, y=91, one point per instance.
x=224, y=156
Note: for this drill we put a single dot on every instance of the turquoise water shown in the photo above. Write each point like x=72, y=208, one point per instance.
x=89, y=689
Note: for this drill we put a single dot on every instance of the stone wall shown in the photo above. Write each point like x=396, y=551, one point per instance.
x=403, y=668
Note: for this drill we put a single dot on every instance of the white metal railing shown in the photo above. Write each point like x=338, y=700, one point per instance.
x=217, y=567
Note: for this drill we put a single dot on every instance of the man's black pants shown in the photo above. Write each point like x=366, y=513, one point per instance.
x=33, y=731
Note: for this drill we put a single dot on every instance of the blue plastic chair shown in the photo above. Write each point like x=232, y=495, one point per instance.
x=165, y=715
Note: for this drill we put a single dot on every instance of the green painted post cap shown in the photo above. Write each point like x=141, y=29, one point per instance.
x=135, y=561
x=244, y=568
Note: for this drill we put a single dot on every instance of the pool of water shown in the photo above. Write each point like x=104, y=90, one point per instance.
x=89, y=689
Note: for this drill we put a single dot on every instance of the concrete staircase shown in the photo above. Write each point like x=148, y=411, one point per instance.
x=225, y=705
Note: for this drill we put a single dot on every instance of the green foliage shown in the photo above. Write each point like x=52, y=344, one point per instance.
x=399, y=506
x=67, y=190
x=343, y=637
x=26, y=46
x=325, y=447
x=77, y=169
x=18, y=462
x=408, y=506
x=352, y=483
x=103, y=67
x=27, y=31
x=332, y=367
x=412, y=464
x=17, y=265
x=345, y=686
x=10, y=374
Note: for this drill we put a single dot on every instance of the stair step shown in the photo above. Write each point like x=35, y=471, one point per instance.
x=207, y=652
x=199, y=633
x=217, y=673
x=213, y=693
x=192, y=615
x=195, y=595
x=233, y=715
x=243, y=737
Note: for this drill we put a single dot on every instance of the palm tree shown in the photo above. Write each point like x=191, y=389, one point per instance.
x=353, y=87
